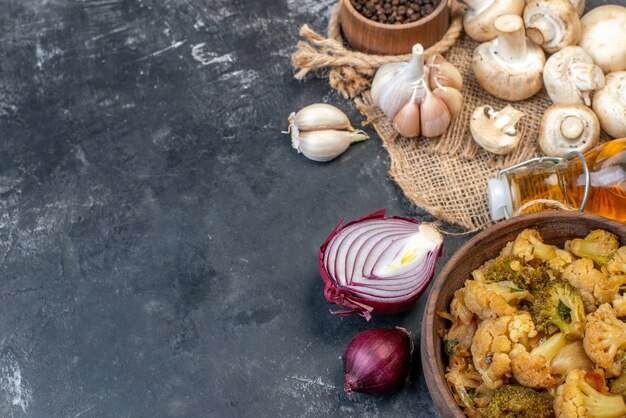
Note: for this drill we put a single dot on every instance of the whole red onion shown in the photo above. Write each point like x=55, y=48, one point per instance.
x=377, y=361
x=377, y=264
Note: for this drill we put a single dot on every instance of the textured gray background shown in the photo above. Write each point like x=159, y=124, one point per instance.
x=158, y=235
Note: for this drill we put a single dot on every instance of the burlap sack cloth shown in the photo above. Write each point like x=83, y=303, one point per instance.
x=447, y=176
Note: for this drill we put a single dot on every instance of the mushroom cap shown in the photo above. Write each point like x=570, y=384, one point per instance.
x=609, y=103
x=604, y=37
x=506, y=80
x=478, y=23
x=567, y=81
x=567, y=128
x=552, y=24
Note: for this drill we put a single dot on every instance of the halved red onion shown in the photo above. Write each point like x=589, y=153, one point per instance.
x=377, y=264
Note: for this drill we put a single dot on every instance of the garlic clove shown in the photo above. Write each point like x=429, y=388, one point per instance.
x=452, y=98
x=319, y=116
x=407, y=121
x=325, y=145
x=443, y=73
x=383, y=76
x=434, y=115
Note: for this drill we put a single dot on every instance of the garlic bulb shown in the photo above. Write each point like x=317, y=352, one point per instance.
x=420, y=98
x=322, y=132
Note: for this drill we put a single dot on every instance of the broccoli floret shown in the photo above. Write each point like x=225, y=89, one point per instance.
x=557, y=303
x=512, y=401
x=512, y=269
x=598, y=246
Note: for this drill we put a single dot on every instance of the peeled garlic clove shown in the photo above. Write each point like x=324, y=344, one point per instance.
x=443, y=73
x=434, y=115
x=383, y=75
x=326, y=145
x=452, y=98
x=407, y=121
x=319, y=116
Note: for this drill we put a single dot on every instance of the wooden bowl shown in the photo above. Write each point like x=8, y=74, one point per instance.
x=555, y=228
x=385, y=39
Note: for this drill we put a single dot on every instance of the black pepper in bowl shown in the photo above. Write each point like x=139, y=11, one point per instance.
x=395, y=11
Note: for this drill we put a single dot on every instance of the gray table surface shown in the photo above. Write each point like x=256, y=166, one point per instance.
x=158, y=235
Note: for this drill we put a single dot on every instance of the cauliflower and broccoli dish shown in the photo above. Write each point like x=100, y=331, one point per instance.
x=539, y=331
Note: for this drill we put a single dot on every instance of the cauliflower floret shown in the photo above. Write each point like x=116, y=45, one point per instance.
x=578, y=397
x=493, y=300
x=529, y=246
x=594, y=286
x=490, y=351
x=617, y=263
x=598, y=246
x=522, y=328
x=619, y=305
x=605, y=339
x=533, y=369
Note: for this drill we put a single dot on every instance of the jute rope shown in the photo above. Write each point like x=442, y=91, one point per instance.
x=349, y=71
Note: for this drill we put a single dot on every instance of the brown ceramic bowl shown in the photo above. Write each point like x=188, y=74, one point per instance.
x=380, y=38
x=555, y=228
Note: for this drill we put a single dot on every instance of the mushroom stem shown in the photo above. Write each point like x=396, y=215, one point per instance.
x=416, y=66
x=572, y=127
x=540, y=31
x=506, y=118
x=511, y=46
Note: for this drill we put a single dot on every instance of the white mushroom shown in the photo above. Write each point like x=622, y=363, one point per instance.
x=604, y=37
x=609, y=103
x=480, y=15
x=510, y=66
x=496, y=131
x=570, y=76
x=566, y=128
x=552, y=24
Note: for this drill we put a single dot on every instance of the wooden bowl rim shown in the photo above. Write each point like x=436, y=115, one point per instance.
x=437, y=386
x=356, y=15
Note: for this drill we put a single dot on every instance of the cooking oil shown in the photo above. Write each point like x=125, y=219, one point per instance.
x=546, y=185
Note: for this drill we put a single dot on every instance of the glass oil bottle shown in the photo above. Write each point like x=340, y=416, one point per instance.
x=594, y=182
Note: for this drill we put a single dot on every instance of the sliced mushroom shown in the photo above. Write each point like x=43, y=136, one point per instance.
x=566, y=128
x=552, y=24
x=570, y=76
x=496, y=131
x=510, y=66
x=609, y=103
x=480, y=15
x=604, y=37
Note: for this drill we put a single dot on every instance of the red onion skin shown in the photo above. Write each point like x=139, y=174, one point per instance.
x=355, y=304
x=377, y=361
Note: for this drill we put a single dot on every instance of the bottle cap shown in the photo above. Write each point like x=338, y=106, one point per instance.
x=499, y=198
